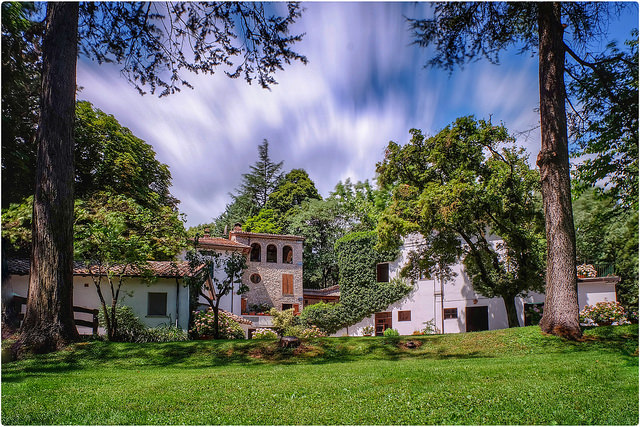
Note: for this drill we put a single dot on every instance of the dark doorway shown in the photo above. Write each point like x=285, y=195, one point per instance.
x=477, y=318
x=383, y=321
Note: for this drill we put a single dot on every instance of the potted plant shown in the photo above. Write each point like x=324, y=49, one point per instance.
x=367, y=331
x=586, y=270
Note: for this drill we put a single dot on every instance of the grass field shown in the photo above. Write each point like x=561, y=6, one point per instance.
x=515, y=376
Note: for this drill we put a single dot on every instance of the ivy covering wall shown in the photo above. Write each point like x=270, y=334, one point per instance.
x=360, y=294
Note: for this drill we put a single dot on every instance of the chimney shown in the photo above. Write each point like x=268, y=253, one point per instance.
x=206, y=232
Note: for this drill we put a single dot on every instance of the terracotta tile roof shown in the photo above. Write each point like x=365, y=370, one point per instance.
x=158, y=268
x=265, y=235
x=220, y=243
x=332, y=291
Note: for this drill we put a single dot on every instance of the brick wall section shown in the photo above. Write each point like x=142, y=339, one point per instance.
x=269, y=290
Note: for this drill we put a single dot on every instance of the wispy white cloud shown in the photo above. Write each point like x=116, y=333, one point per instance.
x=364, y=85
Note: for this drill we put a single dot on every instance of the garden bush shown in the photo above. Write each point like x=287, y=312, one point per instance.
x=203, y=325
x=389, y=332
x=165, y=334
x=326, y=316
x=603, y=313
x=129, y=327
x=283, y=320
x=264, y=333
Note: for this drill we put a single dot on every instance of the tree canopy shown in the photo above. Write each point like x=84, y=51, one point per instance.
x=109, y=157
x=154, y=42
x=472, y=196
x=604, y=123
x=466, y=31
x=293, y=189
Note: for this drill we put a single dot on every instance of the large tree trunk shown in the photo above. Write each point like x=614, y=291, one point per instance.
x=48, y=323
x=561, y=303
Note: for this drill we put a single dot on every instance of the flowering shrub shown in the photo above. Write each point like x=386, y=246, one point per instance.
x=203, y=325
x=312, y=332
x=264, y=333
x=587, y=270
x=603, y=313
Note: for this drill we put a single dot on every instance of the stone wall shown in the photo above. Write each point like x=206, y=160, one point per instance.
x=269, y=289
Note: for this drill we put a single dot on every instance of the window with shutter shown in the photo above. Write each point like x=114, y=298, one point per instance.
x=404, y=316
x=287, y=284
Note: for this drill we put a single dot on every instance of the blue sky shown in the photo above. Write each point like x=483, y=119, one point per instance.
x=364, y=86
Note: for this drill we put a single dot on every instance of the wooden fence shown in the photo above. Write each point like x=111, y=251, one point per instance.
x=93, y=324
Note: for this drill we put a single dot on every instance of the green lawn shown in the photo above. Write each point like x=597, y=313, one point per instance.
x=515, y=376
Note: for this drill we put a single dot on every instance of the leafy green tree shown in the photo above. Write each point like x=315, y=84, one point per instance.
x=293, y=189
x=360, y=294
x=463, y=32
x=215, y=275
x=605, y=123
x=350, y=207
x=148, y=39
x=20, y=97
x=109, y=157
x=114, y=236
x=321, y=223
x=606, y=236
x=459, y=189
x=265, y=222
x=361, y=203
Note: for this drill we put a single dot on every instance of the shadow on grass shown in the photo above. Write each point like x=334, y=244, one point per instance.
x=204, y=354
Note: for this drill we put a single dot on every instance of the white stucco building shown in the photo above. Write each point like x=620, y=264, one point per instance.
x=453, y=306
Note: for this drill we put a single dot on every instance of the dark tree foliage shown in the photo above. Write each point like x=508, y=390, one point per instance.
x=463, y=32
x=20, y=99
x=604, y=122
x=154, y=43
x=264, y=178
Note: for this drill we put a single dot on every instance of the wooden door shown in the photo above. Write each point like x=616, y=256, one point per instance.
x=383, y=321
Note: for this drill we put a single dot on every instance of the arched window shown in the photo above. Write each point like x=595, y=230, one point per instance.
x=287, y=255
x=255, y=252
x=272, y=253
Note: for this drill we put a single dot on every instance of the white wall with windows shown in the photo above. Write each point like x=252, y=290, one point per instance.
x=452, y=306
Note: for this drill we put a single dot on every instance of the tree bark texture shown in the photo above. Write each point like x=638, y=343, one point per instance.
x=561, y=303
x=48, y=323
